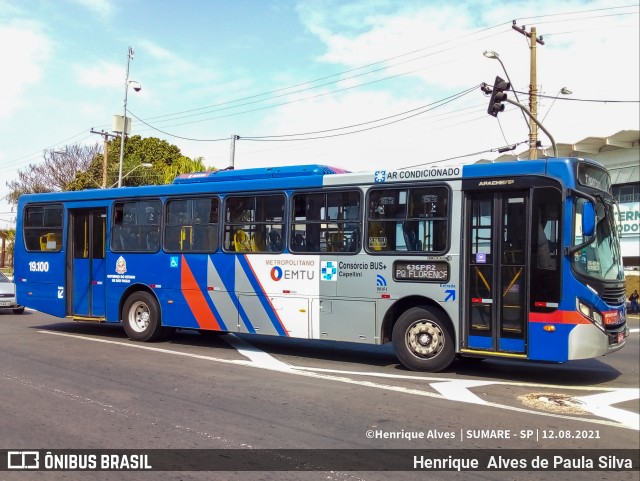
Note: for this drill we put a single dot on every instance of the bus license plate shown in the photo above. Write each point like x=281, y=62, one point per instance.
x=4, y=303
x=620, y=337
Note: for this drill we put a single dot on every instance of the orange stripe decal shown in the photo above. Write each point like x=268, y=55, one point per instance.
x=558, y=317
x=195, y=299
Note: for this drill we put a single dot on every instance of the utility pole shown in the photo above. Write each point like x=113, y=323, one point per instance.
x=533, y=88
x=233, y=150
x=105, y=152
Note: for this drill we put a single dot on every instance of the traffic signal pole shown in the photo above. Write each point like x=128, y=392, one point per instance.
x=535, y=121
x=496, y=106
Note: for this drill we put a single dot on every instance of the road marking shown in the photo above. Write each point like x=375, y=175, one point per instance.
x=445, y=379
x=254, y=354
x=600, y=405
x=316, y=373
x=458, y=390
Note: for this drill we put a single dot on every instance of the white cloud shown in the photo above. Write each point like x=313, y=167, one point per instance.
x=24, y=50
x=595, y=54
x=174, y=65
x=100, y=75
x=104, y=8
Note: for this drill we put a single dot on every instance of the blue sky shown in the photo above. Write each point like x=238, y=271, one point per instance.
x=210, y=69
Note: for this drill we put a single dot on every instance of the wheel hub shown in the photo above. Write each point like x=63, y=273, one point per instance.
x=139, y=317
x=425, y=339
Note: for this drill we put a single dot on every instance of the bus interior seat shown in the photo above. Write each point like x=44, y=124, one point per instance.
x=411, y=240
x=335, y=242
x=257, y=242
x=298, y=242
x=242, y=241
x=152, y=240
x=274, y=243
x=354, y=241
x=49, y=242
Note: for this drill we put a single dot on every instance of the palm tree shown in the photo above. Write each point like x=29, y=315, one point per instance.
x=7, y=238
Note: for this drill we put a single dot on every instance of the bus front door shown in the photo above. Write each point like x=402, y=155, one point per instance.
x=86, y=263
x=496, y=243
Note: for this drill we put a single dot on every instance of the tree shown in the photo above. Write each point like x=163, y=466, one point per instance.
x=166, y=159
x=184, y=165
x=55, y=174
x=81, y=167
x=7, y=238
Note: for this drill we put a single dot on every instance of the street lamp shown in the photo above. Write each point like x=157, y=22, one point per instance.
x=494, y=55
x=563, y=91
x=137, y=87
x=119, y=182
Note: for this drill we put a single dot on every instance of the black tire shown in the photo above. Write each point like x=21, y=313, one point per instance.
x=18, y=310
x=423, y=340
x=141, y=317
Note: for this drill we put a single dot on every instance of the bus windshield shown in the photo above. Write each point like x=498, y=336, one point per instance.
x=601, y=258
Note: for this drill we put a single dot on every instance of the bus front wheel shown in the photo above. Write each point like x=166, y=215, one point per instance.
x=141, y=317
x=423, y=341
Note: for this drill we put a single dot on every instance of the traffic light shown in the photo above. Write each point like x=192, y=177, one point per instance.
x=498, y=96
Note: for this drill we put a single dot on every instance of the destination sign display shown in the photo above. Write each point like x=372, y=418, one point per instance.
x=421, y=271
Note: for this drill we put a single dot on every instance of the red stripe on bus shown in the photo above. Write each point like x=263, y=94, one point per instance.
x=195, y=299
x=558, y=317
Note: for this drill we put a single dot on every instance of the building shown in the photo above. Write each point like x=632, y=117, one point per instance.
x=620, y=154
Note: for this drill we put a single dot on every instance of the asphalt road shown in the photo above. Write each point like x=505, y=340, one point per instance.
x=68, y=385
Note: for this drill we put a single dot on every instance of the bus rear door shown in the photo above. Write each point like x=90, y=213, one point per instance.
x=86, y=263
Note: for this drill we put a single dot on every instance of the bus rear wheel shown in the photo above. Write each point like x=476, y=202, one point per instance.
x=423, y=341
x=141, y=317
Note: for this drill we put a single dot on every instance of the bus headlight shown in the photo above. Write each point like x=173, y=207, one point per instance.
x=587, y=311
x=597, y=317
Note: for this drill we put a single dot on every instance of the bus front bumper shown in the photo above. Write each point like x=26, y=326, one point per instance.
x=587, y=341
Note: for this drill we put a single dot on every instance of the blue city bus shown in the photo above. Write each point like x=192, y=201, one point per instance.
x=516, y=260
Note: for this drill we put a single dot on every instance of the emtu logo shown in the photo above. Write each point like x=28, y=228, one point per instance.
x=276, y=273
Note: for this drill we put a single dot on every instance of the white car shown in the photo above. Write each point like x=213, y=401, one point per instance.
x=8, y=295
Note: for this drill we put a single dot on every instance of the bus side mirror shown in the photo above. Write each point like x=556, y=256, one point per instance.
x=588, y=219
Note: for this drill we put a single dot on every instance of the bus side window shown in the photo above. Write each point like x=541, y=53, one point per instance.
x=413, y=219
x=43, y=228
x=254, y=223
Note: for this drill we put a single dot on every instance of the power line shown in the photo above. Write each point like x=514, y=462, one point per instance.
x=579, y=12
x=174, y=135
x=413, y=52
x=342, y=73
x=28, y=157
x=283, y=89
x=569, y=99
x=422, y=109
x=277, y=104
x=495, y=149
